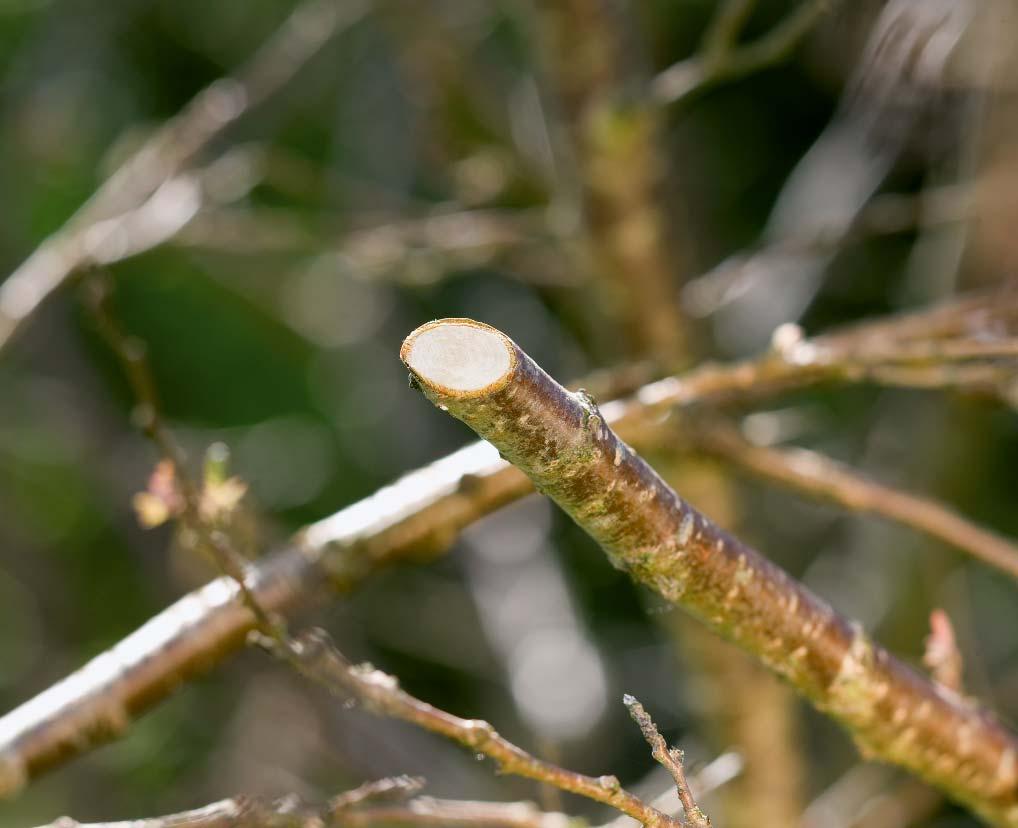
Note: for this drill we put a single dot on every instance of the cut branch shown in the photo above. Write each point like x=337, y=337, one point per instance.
x=416, y=518
x=316, y=657
x=820, y=477
x=562, y=442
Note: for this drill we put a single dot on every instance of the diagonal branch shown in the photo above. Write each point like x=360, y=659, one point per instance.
x=415, y=519
x=723, y=60
x=822, y=478
x=315, y=656
x=168, y=153
x=562, y=442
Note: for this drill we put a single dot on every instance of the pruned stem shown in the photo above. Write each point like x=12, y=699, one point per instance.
x=561, y=441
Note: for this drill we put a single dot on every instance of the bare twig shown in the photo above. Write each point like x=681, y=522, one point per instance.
x=942, y=656
x=227, y=813
x=867, y=796
x=441, y=812
x=386, y=790
x=167, y=153
x=884, y=214
x=434, y=242
x=820, y=477
x=561, y=441
x=413, y=519
x=723, y=32
x=288, y=812
x=671, y=759
x=722, y=60
x=131, y=352
x=315, y=656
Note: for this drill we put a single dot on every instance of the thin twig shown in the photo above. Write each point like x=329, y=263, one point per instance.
x=169, y=151
x=817, y=476
x=425, y=811
x=562, y=442
x=386, y=790
x=721, y=60
x=885, y=214
x=721, y=36
x=253, y=812
x=291, y=813
x=132, y=354
x=942, y=656
x=314, y=655
x=671, y=759
x=415, y=519
x=437, y=241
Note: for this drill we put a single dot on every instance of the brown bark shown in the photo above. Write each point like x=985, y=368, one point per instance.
x=417, y=517
x=563, y=444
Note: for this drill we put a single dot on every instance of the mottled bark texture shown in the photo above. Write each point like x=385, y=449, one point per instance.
x=563, y=444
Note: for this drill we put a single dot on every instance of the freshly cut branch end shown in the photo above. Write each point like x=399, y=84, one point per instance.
x=564, y=444
x=459, y=357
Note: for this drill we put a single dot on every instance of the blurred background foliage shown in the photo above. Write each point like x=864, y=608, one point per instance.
x=273, y=322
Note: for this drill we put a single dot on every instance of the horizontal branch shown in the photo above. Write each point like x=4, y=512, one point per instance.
x=289, y=812
x=351, y=809
x=425, y=811
x=822, y=478
x=562, y=442
x=315, y=656
x=415, y=518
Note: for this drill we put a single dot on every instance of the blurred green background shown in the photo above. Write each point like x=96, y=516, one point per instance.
x=274, y=320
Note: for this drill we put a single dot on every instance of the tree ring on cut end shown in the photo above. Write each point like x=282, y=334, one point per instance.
x=458, y=356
